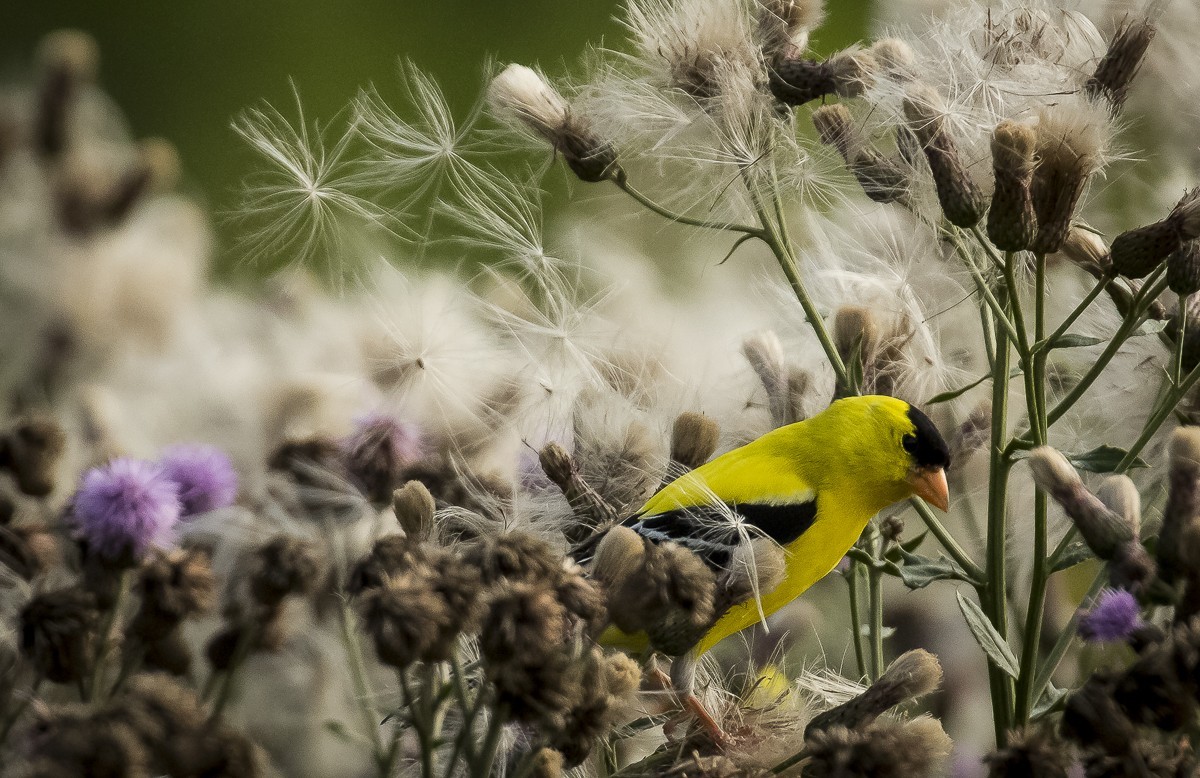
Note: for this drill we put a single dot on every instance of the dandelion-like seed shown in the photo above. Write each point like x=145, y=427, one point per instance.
x=204, y=475
x=126, y=507
x=302, y=208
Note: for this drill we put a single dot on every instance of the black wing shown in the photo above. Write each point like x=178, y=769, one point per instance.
x=714, y=532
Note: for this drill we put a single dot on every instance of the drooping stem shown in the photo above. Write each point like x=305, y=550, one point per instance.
x=680, y=218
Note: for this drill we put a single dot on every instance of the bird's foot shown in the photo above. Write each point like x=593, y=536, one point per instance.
x=693, y=705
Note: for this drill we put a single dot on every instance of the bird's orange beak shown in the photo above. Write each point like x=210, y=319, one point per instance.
x=930, y=485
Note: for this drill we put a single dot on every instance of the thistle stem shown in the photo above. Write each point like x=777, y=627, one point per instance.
x=875, y=588
x=104, y=644
x=860, y=652
x=680, y=218
x=994, y=597
x=358, y=676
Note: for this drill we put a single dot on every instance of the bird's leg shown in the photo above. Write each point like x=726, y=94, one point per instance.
x=683, y=681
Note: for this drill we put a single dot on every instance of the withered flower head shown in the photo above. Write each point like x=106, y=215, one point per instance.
x=389, y=557
x=521, y=95
x=1092, y=718
x=514, y=557
x=378, y=453
x=58, y=632
x=74, y=741
x=546, y=763
x=882, y=179
x=784, y=25
x=174, y=585
x=1103, y=530
x=1031, y=752
x=1183, y=269
x=1120, y=63
x=69, y=60
x=797, y=80
x=31, y=451
x=1136, y=252
x=282, y=567
x=961, y=200
x=884, y=749
x=911, y=676
x=408, y=620
x=1182, y=511
x=1012, y=223
x=1068, y=152
x=1159, y=689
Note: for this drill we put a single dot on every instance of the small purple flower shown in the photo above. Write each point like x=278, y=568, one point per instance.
x=402, y=439
x=125, y=506
x=205, y=476
x=1113, y=616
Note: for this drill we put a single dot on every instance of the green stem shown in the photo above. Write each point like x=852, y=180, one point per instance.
x=790, y=762
x=358, y=677
x=679, y=218
x=1046, y=671
x=860, y=652
x=994, y=595
x=1073, y=316
x=952, y=547
x=420, y=725
x=463, y=745
x=491, y=743
x=246, y=640
x=1183, y=311
x=875, y=587
x=104, y=643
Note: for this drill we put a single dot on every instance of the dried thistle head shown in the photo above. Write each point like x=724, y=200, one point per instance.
x=883, y=180
x=282, y=567
x=1031, y=752
x=389, y=557
x=1117, y=68
x=1069, y=146
x=175, y=585
x=378, y=453
x=1087, y=250
x=912, y=675
x=884, y=748
x=1183, y=269
x=75, y=741
x=514, y=557
x=408, y=620
x=521, y=94
x=960, y=197
x=58, y=631
x=784, y=25
x=31, y=451
x=797, y=80
x=694, y=438
x=1012, y=223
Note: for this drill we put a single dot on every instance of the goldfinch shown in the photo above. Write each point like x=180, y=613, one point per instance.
x=811, y=487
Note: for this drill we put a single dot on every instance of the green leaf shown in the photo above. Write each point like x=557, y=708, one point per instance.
x=863, y=557
x=955, y=393
x=1076, y=341
x=896, y=553
x=996, y=647
x=1075, y=553
x=1102, y=459
x=340, y=731
x=917, y=572
x=1150, y=327
x=1052, y=701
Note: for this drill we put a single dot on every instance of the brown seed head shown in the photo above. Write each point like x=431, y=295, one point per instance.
x=58, y=632
x=546, y=763
x=884, y=749
x=1068, y=152
x=1103, y=530
x=911, y=676
x=390, y=556
x=1031, y=752
x=174, y=585
x=783, y=26
x=1183, y=504
x=31, y=452
x=408, y=620
x=1183, y=269
x=961, y=200
x=282, y=567
x=1159, y=689
x=1092, y=718
x=72, y=741
x=515, y=557
x=1120, y=63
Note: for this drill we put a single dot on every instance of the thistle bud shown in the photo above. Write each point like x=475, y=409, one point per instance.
x=414, y=508
x=1103, y=530
x=1183, y=269
x=796, y=80
x=1120, y=63
x=885, y=749
x=520, y=94
x=1012, y=223
x=895, y=57
x=1183, y=504
x=784, y=25
x=960, y=198
x=58, y=633
x=1137, y=252
x=282, y=567
x=1067, y=153
x=694, y=438
x=764, y=352
x=1031, y=752
x=1120, y=495
x=911, y=676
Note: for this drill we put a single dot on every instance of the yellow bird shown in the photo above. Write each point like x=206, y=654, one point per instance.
x=811, y=487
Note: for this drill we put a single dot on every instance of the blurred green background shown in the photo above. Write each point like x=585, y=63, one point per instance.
x=182, y=69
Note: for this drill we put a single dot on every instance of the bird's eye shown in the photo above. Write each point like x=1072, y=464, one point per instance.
x=910, y=443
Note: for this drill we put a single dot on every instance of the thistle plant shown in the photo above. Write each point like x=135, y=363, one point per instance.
x=371, y=565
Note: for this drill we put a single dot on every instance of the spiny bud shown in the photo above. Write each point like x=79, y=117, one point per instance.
x=31, y=452
x=1103, y=530
x=882, y=180
x=1012, y=224
x=1120, y=63
x=796, y=80
x=1067, y=152
x=1183, y=269
x=521, y=94
x=694, y=438
x=1137, y=252
x=414, y=509
x=912, y=675
x=764, y=352
x=960, y=198
x=1183, y=503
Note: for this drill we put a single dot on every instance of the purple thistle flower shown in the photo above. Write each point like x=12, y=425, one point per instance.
x=1113, y=616
x=205, y=476
x=401, y=438
x=126, y=506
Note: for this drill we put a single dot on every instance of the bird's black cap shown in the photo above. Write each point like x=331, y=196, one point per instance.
x=925, y=443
